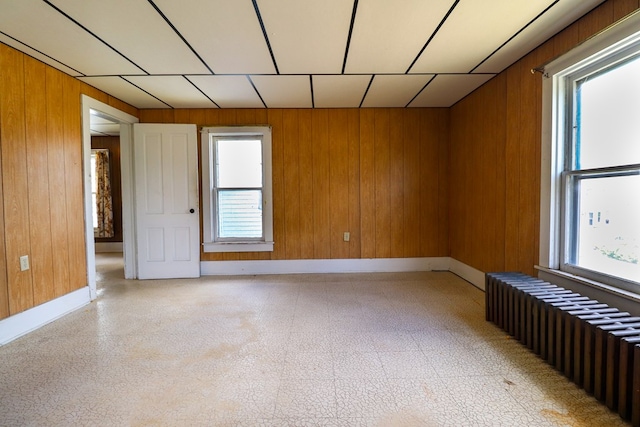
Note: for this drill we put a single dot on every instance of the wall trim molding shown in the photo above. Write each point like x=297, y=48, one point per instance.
x=367, y=265
x=22, y=323
x=468, y=273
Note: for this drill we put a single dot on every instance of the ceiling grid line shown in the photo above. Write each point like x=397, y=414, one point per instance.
x=351, y=25
x=364, y=96
x=147, y=92
x=266, y=36
x=257, y=91
x=201, y=91
x=179, y=35
x=446, y=16
x=61, y=12
x=421, y=90
x=514, y=36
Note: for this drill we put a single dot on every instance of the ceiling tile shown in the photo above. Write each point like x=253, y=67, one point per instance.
x=225, y=33
x=228, y=91
x=119, y=22
x=307, y=36
x=176, y=91
x=394, y=91
x=388, y=35
x=342, y=91
x=37, y=55
x=555, y=19
x=447, y=89
x=61, y=39
x=473, y=31
x=124, y=91
x=284, y=91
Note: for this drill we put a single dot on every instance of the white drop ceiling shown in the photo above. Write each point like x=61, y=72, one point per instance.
x=284, y=53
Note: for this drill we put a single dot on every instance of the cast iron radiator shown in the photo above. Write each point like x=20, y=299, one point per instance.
x=596, y=346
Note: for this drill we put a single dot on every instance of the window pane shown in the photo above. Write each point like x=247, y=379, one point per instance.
x=608, y=233
x=240, y=214
x=608, y=111
x=239, y=163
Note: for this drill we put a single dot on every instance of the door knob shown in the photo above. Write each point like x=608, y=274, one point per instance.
x=192, y=210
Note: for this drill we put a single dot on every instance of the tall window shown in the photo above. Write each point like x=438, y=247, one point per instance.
x=596, y=150
x=237, y=182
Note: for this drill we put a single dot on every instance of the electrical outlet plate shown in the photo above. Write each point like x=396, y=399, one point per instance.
x=346, y=236
x=24, y=262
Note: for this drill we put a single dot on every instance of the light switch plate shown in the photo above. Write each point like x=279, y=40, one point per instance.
x=24, y=262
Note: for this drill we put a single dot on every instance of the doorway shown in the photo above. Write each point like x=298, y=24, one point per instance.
x=96, y=111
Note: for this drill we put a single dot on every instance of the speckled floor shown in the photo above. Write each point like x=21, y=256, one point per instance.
x=408, y=349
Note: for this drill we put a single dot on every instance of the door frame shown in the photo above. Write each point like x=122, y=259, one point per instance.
x=128, y=197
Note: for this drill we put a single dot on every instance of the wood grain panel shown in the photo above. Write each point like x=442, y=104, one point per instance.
x=14, y=169
x=73, y=182
x=305, y=170
x=443, y=181
x=367, y=184
x=396, y=182
x=291, y=183
x=38, y=178
x=382, y=192
x=4, y=286
x=57, y=187
x=429, y=225
x=596, y=20
x=498, y=136
x=338, y=182
x=354, y=182
x=321, y=202
x=622, y=8
x=277, y=141
x=411, y=182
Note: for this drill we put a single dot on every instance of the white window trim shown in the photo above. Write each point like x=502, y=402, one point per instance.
x=616, y=38
x=209, y=244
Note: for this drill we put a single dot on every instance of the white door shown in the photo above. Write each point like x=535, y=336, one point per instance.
x=167, y=214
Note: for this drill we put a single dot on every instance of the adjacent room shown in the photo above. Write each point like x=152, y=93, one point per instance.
x=289, y=212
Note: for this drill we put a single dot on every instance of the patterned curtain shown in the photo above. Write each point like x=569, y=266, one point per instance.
x=104, y=205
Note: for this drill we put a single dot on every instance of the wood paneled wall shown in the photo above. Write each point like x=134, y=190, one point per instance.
x=112, y=143
x=495, y=156
x=380, y=174
x=41, y=196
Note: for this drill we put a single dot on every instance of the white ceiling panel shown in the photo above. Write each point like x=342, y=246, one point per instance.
x=558, y=17
x=344, y=91
x=284, y=91
x=176, y=91
x=394, y=91
x=307, y=36
x=388, y=35
x=41, y=27
x=124, y=91
x=228, y=91
x=37, y=55
x=473, y=31
x=225, y=33
x=102, y=126
x=445, y=90
x=118, y=22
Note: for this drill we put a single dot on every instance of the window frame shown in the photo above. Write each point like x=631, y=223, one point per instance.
x=209, y=211
x=613, y=45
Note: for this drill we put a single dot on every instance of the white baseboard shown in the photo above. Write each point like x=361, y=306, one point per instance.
x=376, y=265
x=103, y=247
x=22, y=323
x=468, y=273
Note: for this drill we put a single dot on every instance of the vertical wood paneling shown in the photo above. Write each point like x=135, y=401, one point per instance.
x=411, y=182
x=58, y=190
x=367, y=184
x=275, y=118
x=596, y=20
x=38, y=177
x=73, y=181
x=443, y=181
x=14, y=169
x=382, y=193
x=338, y=182
x=396, y=182
x=512, y=184
x=4, y=286
x=291, y=184
x=354, y=183
x=305, y=170
x=622, y=8
x=428, y=228
x=321, y=165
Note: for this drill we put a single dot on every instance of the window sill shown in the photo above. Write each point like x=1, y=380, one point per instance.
x=632, y=296
x=238, y=247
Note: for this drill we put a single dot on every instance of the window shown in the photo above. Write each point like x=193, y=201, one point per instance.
x=594, y=197
x=237, y=213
